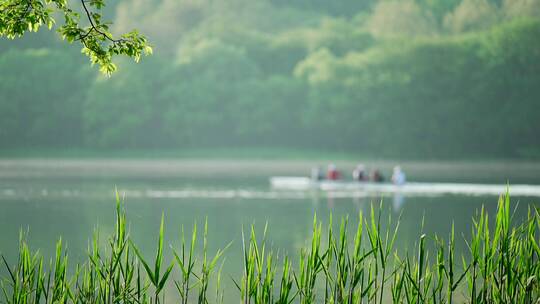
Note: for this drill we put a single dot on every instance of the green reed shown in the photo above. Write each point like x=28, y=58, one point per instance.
x=500, y=265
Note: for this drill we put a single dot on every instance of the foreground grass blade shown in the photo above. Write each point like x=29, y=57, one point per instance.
x=500, y=265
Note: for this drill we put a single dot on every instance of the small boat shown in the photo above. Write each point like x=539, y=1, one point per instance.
x=410, y=188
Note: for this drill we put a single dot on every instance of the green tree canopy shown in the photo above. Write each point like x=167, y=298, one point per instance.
x=18, y=17
x=411, y=78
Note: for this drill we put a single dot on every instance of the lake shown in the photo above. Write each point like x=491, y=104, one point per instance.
x=70, y=198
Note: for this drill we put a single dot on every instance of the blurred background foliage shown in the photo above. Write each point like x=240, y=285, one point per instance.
x=408, y=78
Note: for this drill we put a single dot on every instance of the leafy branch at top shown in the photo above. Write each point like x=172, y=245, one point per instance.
x=20, y=16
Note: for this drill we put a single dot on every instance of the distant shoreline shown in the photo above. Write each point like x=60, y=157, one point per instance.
x=237, y=154
x=500, y=172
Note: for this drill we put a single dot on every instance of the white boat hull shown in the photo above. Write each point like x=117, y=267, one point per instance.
x=306, y=184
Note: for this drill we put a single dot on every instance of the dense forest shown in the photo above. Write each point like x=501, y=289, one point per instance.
x=410, y=79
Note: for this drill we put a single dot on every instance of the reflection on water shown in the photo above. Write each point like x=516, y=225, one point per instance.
x=398, y=200
x=73, y=206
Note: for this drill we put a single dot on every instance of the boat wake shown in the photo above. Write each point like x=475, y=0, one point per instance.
x=283, y=191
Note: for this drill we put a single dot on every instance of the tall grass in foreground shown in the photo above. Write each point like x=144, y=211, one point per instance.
x=501, y=265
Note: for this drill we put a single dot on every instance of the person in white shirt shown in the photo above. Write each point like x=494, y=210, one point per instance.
x=398, y=176
x=359, y=173
x=317, y=174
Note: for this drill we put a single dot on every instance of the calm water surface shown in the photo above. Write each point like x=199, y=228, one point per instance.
x=70, y=198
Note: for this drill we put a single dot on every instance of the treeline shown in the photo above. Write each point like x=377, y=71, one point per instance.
x=442, y=79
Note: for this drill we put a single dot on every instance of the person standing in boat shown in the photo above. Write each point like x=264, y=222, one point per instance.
x=333, y=173
x=359, y=173
x=317, y=174
x=398, y=176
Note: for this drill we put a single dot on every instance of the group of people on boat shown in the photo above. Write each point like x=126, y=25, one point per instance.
x=360, y=174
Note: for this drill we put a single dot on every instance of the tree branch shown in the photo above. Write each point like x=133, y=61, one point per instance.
x=91, y=19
